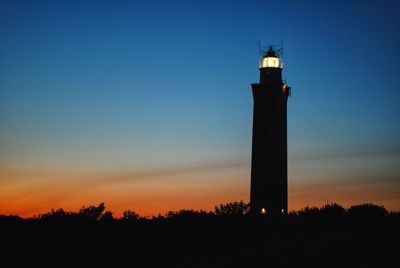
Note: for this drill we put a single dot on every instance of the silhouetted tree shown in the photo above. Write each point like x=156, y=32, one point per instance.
x=91, y=212
x=367, y=210
x=232, y=209
x=308, y=212
x=58, y=215
x=333, y=210
x=130, y=216
x=158, y=219
x=106, y=216
x=367, y=213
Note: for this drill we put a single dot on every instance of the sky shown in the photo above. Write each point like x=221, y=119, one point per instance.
x=147, y=105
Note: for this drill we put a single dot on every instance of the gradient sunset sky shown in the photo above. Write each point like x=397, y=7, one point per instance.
x=147, y=105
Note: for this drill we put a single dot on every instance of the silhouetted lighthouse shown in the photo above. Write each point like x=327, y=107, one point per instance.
x=269, y=151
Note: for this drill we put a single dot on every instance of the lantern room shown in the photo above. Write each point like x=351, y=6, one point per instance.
x=271, y=60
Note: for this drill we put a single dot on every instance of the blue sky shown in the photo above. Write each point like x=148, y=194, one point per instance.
x=134, y=86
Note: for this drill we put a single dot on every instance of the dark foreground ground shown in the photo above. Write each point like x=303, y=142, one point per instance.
x=217, y=243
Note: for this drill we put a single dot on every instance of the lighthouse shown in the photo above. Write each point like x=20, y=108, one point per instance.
x=269, y=183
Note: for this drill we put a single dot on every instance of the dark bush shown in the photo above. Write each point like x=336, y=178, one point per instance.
x=367, y=213
x=187, y=215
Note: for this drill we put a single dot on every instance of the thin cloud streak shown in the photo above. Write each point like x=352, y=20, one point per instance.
x=168, y=172
x=12, y=175
x=346, y=154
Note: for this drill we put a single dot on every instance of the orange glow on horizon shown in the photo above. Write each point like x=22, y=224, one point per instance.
x=27, y=192
x=146, y=193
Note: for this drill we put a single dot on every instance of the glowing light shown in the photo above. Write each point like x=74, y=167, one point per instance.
x=283, y=211
x=263, y=211
x=271, y=62
x=284, y=88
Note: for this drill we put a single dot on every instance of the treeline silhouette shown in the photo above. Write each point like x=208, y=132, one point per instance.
x=363, y=235
x=232, y=211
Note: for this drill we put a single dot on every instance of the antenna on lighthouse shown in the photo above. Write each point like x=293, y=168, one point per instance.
x=260, y=50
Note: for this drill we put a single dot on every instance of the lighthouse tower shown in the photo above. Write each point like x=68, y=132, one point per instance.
x=268, y=194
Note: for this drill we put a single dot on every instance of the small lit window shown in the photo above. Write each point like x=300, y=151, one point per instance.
x=263, y=211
